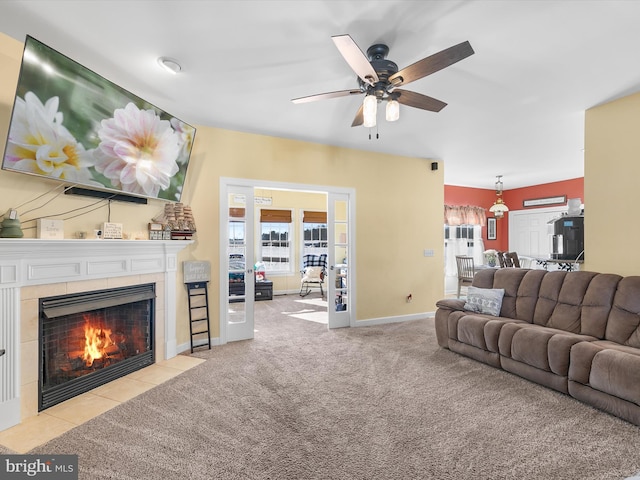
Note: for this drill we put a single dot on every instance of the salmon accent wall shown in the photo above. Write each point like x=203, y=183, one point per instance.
x=482, y=197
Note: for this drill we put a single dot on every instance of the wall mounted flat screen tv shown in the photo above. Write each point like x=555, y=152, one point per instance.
x=70, y=124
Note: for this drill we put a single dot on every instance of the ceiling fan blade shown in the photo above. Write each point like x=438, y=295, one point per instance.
x=432, y=64
x=356, y=59
x=417, y=100
x=359, y=118
x=323, y=96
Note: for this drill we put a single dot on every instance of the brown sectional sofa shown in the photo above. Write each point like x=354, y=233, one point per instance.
x=575, y=332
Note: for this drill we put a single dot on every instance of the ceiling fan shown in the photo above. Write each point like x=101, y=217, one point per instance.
x=379, y=79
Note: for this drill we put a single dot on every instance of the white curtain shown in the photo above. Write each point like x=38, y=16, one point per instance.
x=459, y=246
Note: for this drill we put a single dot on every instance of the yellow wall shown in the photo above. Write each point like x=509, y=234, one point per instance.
x=612, y=173
x=399, y=204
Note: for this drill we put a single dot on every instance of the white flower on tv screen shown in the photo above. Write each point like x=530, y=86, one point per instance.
x=40, y=144
x=137, y=151
x=186, y=134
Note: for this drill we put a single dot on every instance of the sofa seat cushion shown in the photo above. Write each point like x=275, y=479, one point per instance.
x=544, y=348
x=478, y=330
x=608, y=367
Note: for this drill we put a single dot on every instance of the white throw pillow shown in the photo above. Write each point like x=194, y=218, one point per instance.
x=312, y=274
x=484, y=300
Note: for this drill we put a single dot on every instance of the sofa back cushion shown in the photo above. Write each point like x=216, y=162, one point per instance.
x=548, y=297
x=577, y=302
x=528, y=294
x=597, y=304
x=567, y=314
x=624, y=318
x=521, y=287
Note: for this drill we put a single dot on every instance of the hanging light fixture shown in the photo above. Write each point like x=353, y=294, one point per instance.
x=499, y=207
x=369, y=111
x=393, y=110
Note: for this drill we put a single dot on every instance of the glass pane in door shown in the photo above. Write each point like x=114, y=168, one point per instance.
x=340, y=251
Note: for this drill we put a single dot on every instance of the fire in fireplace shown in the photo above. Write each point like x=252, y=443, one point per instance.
x=91, y=338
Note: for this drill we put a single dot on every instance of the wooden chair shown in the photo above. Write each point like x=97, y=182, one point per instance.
x=466, y=271
x=508, y=261
x=501, y=259
x=513, y=258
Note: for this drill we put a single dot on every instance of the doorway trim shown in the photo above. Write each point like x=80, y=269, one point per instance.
x=225, y=182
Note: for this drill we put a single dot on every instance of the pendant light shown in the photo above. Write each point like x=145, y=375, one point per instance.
x=499, y=207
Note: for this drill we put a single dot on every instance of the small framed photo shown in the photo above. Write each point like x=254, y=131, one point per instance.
x=491, y=229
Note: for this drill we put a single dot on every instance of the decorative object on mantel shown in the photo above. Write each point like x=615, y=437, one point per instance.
x=158, y=232
x=49, y=229
x=175, y=223
x=10, y=226
x=499, y=207
x=112, y=230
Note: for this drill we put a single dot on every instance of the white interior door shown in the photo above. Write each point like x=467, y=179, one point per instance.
x=340, y=294
x=529, y=231
x=237, y=284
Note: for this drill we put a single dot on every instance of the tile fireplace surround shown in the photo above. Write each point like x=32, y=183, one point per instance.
x=31, y=269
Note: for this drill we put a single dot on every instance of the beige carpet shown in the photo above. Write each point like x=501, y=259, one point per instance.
x=303, y=402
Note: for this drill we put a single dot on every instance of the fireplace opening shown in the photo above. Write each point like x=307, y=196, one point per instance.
x=91, y=338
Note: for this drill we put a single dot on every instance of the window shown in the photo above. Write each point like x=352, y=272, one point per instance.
x=466, y=232
x=275, y=240
x=236, y=232
x=236, y=238
x=462, y=240
x=314, y=231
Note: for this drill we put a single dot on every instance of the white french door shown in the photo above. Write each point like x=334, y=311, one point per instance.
x=340, y=295
x=237, y=256
x=236, y=266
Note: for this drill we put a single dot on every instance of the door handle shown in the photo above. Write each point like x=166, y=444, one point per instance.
x=2, y=352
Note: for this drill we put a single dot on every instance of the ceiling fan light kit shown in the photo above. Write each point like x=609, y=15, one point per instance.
x=393, y=110
x=369, y=111
x=379, y=79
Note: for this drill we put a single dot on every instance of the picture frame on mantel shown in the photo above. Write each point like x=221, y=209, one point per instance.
x=492, y=233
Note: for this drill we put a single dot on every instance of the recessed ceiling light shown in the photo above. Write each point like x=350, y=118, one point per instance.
x=171, y=65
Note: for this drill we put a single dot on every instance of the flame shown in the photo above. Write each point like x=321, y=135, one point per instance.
x=95, y=341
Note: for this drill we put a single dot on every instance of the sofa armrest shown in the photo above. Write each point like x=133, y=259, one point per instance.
x=451, y=304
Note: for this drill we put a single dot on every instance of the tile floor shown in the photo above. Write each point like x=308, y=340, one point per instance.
x=60, y=418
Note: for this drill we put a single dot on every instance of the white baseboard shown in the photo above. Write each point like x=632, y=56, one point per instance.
x=396, y=319
x=183, y=347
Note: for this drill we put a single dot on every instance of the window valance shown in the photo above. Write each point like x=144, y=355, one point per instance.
x=236, y=212
x=464, y=215
x=275, y=216
x=314, y=217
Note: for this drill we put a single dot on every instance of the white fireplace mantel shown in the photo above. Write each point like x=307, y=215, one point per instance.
x=33, y=262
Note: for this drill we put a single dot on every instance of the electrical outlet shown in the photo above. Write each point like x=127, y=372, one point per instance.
x=428, y=252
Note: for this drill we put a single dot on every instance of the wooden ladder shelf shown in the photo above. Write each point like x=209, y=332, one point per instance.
x=199, y=313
